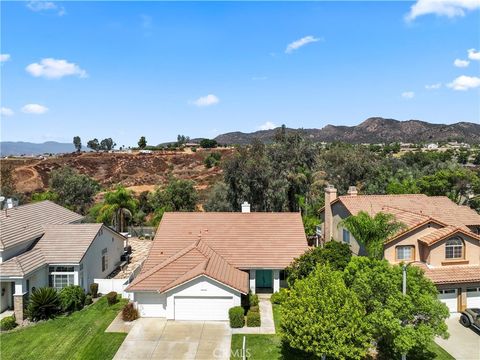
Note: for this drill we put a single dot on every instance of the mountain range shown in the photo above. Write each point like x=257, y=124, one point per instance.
x=373, y=130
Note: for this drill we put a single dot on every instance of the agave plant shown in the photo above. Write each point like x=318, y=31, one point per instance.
x=72, y=298
x=44, y=304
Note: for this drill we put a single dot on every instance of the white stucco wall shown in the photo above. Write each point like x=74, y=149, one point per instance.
x=151, y=304
x=203, y=287
x=38, y=279
x=92, y=261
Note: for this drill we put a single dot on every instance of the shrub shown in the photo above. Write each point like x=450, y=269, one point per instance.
x=112, y=298
x=88, y=300
x=236, y=316
x=129, y=313
x=44, y=304
x=253, y=299
x=213, y=159
x=279, y=297
x=94, y=289
x=8, y=323
x=254, y=309
x=253, y=319
x=72, y=298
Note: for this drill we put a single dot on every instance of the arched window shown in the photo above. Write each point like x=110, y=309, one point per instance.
x=454, y=248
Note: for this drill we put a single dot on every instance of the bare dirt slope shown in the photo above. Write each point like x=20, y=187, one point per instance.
x=139, y=172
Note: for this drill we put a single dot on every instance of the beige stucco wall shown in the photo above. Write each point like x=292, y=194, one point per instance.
x=471, y=252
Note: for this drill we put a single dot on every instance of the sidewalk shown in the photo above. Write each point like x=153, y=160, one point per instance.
x=266, y=315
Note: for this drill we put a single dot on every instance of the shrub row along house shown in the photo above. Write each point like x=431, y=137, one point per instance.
x=43, y=244
x=440, y=236
x=200, y=264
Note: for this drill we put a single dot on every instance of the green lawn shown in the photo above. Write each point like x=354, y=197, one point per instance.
x=78, y=336
x=269, y=347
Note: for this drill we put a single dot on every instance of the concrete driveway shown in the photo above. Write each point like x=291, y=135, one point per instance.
x=155, y=338
x=463, y=343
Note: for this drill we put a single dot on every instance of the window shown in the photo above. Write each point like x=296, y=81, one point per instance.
x=405, y=252
x=104, y=259
x=346, y=236
x=454, y=248
x=60, y=276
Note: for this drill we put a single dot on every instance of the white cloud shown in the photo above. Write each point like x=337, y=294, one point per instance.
x=464, y=83
x=473, y=54
x=208, y=100
x=449, y=8
x=34, y=109
x=267, y=126
x=49, y=6
x=6, y=112
x=461, y=63
x=433, y=86
x=55, y=69
x=300, y=42
x=408, y=94
x=5, y=57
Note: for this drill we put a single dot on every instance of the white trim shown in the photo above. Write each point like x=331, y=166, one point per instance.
x=199, y=276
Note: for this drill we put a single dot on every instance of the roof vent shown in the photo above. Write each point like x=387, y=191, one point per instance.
x=245, y=207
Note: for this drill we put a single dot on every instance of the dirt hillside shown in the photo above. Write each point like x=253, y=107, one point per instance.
x=139, y=172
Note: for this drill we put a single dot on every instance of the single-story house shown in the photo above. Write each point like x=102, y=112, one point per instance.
x=440, y=236
x=201, y=263
x=53, y=250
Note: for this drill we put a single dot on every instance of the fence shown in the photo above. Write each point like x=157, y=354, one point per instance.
x=117, y=285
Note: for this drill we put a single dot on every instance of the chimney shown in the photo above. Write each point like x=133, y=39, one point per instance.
x=245, y=207
x=330, y=195
x=352, y=191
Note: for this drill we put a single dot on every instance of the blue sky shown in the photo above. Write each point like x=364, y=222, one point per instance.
x=127, y=69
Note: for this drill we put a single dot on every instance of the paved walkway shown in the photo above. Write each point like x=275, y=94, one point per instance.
x=267, y=325
x=6, y=313
x=463, y=343
x=157, y=338
x=118, y=325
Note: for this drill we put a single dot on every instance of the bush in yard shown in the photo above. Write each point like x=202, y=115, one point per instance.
x=94, y=290
x=129, y=313
x=236, y=316
x=8, y=323
x=253, y=318
x=88, y=300
x=44, y=304
x=321, y=316
x=279, y=297
x=112, y=298
x=252, y=299
x=72, y=298
x=254, y=309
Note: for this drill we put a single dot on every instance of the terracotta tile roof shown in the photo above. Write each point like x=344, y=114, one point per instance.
x=194, y=260
x=440, y=234
x=244, y=240
x=409, y=207
x=454, y=274
x=25, y=222
x=22, y=265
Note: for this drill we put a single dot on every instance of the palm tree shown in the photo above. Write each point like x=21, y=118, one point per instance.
x=119, y=206
x=372, y=232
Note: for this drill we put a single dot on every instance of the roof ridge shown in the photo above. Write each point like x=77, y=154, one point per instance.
x=19, y=265
x=408, y=211
x=201, y=242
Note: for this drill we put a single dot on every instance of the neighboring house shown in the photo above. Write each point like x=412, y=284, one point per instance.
x=440, y=236
x=43, y=244
x=201, y=263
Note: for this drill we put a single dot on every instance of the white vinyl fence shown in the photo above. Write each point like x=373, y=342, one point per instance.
x=117, y=285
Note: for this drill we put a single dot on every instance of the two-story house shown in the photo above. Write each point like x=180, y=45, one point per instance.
x=44, y=244
x=440, y=236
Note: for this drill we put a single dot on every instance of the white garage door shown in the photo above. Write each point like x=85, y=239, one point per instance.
x=449, y=298
x=473, y=297
x=202, y=308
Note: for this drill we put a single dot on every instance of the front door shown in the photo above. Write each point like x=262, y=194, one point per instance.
x=264, y=279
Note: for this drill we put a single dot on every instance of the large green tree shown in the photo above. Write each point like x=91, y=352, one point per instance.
x=118, y=208
x=372, y=231
x=322, y=317
x=399, y=324
x=75, y=191
x=77, y=142
x=334, y=253
x=217, y=198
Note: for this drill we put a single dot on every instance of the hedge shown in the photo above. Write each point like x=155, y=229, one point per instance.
x=94, y=289
x=8, y=323
x=253, y=299
x=129, y=313
x=237, y=319
x=253, y=319
x=112, y=298
x=279, y=297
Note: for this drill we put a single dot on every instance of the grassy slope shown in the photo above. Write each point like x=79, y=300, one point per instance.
x=78, y=336
x=268, y=347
